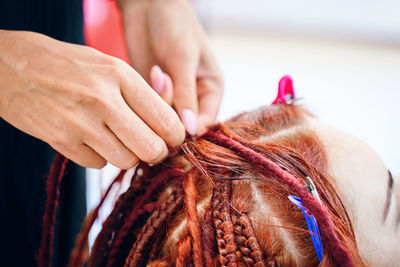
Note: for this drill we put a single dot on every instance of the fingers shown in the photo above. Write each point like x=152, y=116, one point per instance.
x=210, y=89
x=105, y=143
x=209, y=103
x=168, y=92
x=162, y=84
x=160, y=119
x=135, y=134
x=82, y=155
x=183, y=73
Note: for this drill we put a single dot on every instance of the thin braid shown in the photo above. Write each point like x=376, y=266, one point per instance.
x=184, y=251
x=77, y=257
x=192, y=217
x=247, y=242
x=56, y=173
x=208, y=238
x=334, y=247
x=223, y=224
x=115, y=220
x=159, y=180
x=153, y=225
x=156, y=247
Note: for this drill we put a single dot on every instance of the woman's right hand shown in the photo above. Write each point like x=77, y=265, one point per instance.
x=89, y=106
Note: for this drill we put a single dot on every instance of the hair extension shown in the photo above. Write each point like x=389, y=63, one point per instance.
x=208, y=237
x=53, y=193
x=126, y=227
x=193, y=223
x=153, y=225
x=223, y=223
x=334, y=247
x=77, y=258
x=184, y=247
x=115, y=220
x=159, y=263
x=247, y=242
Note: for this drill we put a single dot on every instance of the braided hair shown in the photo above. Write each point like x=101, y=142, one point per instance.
x=222, y=201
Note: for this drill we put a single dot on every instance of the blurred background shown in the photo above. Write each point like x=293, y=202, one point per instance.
x=343, y=55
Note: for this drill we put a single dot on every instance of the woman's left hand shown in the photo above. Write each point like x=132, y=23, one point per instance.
x=167, y=33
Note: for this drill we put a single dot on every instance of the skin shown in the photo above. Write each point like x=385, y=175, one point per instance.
x=166, y=33
x=94, y=108
x=362, y=180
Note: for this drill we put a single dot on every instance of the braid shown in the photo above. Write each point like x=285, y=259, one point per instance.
x=208, y=237
x=223, y=224
x=115, y=220
x=247, y=242
x=156, y=247
x=159, y=263
x=192, y=217
x=153, y=226
x=184, y=248
x=334, y=247
x=77, y=258
x=48, y=221
x=126, y=228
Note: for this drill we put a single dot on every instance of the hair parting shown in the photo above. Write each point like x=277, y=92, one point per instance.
x=334, y=246
x=222, y=200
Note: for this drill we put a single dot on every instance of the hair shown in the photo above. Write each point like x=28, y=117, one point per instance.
x=222, y=200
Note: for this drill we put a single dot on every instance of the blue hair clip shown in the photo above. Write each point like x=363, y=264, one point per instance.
x=312, y=226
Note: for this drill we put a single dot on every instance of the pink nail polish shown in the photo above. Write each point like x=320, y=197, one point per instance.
x=157, y=79
x=189, y=120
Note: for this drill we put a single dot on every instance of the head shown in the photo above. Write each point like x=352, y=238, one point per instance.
x=223, y=200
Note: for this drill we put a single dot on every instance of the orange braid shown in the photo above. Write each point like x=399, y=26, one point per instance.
x=193, y=223
x=247, y=242
x=153, y=225
x=184, y=248
x=223, y=224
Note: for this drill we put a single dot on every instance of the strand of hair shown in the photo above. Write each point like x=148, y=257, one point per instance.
x=48, y=221
x=334, y=247
x=77, y=258
x=193, y=224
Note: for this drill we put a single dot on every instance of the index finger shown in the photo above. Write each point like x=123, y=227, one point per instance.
x=151, y=108
x=210, y=96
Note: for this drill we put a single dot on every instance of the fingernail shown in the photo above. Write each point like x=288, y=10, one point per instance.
x=157, y=79
x=189, y=120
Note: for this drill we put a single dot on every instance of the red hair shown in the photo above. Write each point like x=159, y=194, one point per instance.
x=222, y=201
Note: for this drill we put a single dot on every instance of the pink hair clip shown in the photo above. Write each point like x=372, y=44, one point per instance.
x=286, y=93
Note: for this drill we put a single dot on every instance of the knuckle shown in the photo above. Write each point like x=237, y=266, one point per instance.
x=94, y=101
x=169, y=122
x=172, y=129
x=129, y=163
x=155, y=149
x=118, y=66
x=60, y=142
x=96, y=164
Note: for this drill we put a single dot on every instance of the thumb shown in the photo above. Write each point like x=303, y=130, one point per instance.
x=185, y=94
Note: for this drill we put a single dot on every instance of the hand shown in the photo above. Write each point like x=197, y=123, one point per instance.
x=167, y=33
x=90, y=107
